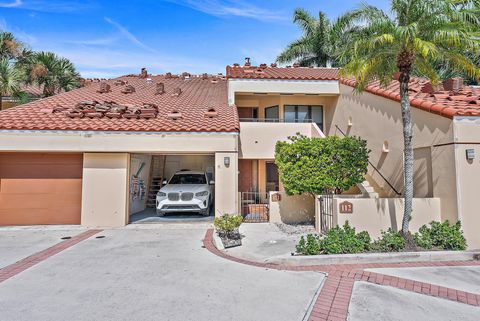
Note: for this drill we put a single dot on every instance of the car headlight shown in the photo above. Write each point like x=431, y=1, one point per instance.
x=161, y=194
x=204, y=193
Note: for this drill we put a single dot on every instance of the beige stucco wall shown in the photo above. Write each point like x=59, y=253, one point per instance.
x=105, y=189
x=132, y=142
x=257, y=140
x=376, y=214
x=226, y=184
x=292, y=209
x=377, y=120
x=279, y=86
x=467, y=136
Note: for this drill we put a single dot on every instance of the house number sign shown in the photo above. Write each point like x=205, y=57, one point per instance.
x=346, y=208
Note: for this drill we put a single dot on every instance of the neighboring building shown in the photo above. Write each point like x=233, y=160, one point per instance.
x=33, y=92
x=77, y=168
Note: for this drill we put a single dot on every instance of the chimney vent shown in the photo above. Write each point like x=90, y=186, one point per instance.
x=236, y=65
x=247, y=62
x=263, y=66
x=168, y=75
x=177, y=91
x=104, y=88
x=453, y=84
x=160, y=88
x=273, y=65
x=204, y=76
x=143, y=73
x=174, y=115
x=296, y=65
x=128, y=89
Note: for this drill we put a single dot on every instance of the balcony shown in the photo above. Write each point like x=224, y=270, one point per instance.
x=258, y=136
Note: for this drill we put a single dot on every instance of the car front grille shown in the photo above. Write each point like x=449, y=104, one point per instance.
x=181, y=207
x=173, y=196
x=187, y=196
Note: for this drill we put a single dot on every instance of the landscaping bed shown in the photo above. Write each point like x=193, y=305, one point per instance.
x=431, y=241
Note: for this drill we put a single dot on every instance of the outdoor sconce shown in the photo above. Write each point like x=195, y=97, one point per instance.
x=226, y=161
x=350, y=122
x=385, y=147
x=470, y=154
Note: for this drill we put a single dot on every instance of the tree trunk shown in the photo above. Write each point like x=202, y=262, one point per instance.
x=407, y=151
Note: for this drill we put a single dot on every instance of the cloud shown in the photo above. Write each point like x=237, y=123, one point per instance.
x=11, y=4
x=221, y=8
x=48, y=6
x=127, y=34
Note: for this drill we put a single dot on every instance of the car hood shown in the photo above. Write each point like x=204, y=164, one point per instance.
x=178, y=188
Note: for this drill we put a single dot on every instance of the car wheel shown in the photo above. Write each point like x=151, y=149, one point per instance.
x=160, y=213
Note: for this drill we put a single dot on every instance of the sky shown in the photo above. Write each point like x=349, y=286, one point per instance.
x=111, y=38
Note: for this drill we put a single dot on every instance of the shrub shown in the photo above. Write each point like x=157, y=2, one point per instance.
x=227, y=223
x=441, y=235
x=389, y=241
x=338, y=240
x=311, y=246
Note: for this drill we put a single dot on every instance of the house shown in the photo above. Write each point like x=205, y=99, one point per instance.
x=75, y=158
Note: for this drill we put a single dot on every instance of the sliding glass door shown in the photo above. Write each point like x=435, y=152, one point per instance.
x=303, y=114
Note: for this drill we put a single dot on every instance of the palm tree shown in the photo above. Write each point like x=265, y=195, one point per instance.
x=415, y=36
x=315, y=46
x=10, y=47
x=10, y=79
x=51, y=71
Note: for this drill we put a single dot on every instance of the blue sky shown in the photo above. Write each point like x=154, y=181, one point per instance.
x=111, y=38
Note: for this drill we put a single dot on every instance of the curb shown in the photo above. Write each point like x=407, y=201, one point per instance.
x=366, y=258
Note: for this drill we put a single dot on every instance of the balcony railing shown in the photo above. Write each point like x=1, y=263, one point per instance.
x=274, y=120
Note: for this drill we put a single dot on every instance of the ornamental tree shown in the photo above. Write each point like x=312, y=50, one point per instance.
x=312, y=165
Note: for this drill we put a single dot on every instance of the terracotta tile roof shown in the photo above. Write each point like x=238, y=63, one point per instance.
x=200, y=104
x=290, y=73
x=443, y=100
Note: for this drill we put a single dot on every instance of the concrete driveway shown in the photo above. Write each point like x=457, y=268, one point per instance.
x=150, y=273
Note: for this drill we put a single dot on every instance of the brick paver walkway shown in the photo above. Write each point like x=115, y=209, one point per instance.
x=334, y=298
x=26, y=263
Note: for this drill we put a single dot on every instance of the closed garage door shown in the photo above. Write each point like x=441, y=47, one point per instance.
x=40, y=188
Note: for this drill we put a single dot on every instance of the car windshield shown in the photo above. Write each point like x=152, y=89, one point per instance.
x=188, y=179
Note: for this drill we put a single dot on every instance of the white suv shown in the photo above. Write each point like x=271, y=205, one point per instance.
x=187, y=191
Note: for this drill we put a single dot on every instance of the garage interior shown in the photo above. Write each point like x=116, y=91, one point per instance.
x=147, y=174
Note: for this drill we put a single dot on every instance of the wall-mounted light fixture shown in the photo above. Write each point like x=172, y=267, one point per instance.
x=350, y=121
x=470, y=154
x=226, y=161
x=385, y=147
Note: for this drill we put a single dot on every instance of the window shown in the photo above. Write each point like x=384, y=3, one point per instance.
x=272, y=183
x=303, y=114
x=271, y=114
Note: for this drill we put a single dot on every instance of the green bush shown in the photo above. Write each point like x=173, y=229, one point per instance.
x=441, y=235
x=310, y=246
x=389, y=241
x=227, y=223
x=338, y=240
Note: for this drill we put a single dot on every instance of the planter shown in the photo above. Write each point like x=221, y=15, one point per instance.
x=230, y=239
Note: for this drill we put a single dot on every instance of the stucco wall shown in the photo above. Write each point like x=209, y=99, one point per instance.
x=467, y=136
x=376, y=214
x=378, y=120
x=105, y=189
x=174, y=163
x=226, y=184
x=292, y=209
x=257, y=140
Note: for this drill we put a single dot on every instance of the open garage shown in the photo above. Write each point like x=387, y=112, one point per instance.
x=185, y=182
x=40, y=188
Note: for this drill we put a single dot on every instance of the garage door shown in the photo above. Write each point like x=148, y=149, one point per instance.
x=40, y=188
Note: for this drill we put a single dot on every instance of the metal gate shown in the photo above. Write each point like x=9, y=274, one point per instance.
x=254, y=207
x=326, y=211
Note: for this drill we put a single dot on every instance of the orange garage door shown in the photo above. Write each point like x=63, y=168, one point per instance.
x=40, y=188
